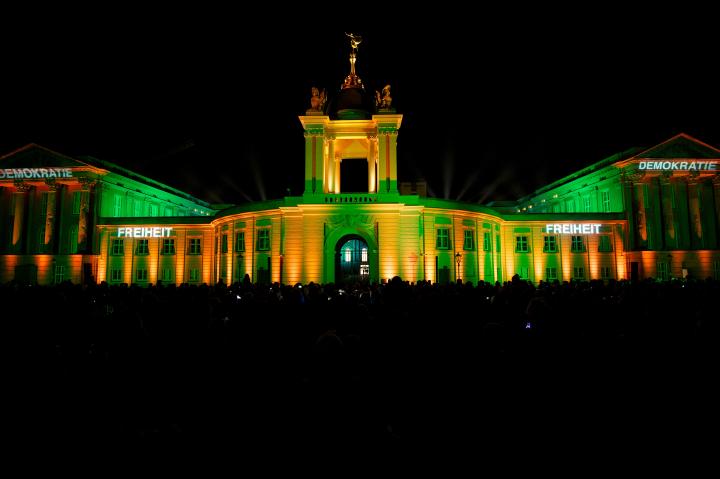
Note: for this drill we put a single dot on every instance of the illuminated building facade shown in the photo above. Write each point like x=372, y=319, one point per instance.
x=641, y=213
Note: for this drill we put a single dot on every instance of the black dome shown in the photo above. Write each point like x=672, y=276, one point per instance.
x=351, y=104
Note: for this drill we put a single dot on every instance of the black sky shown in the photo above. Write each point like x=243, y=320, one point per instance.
x=494, y=104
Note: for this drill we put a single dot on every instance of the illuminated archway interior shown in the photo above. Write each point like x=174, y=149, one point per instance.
x=352, y=264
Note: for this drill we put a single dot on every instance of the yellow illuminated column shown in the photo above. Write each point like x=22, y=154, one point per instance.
x=337, y=174
x=372, y=158
x=330, y=165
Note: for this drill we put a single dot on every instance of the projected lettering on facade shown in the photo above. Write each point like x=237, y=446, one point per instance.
x=142, y=232
x=678, y=165
x=573, y=228
x=35, y=173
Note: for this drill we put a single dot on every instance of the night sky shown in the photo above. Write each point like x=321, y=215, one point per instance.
x=494, y=105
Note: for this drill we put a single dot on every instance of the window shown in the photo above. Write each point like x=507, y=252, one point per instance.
x=59, y=274
x=586, y=204
x=194, y=275
x=167, y=274
x=550, y=244
x=604, y=244
x=224, y=243
x=239, y=241
x=194, y=246
x=578, y=272
x=577, y=245
x=605, y=198
x=142, y=247
x=117, y=209
x=77, y=196
x=117, y=247
x=521, y=244
x=523, y=273
x=73, y=240
x=550, y=274
x=116, y=275
x=168, y=246
x=141, y=274
x=263, y=239
x=605, y=272
x=348, y=255
x=663, y=271
x=363, y=255
x=442, y=240
x=487, y=241
x=137, y=208
x=469, y=240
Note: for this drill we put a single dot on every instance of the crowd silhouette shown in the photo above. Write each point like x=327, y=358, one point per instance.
x=382, y=364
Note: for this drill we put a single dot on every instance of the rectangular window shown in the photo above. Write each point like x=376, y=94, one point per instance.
x=578, y=272
x=73, y=240
x=577, y=245
x=224, y=243
x=604, y=244
x=605, y=272
x=168, y=246
x=442, y=238
x=363, y=255
x=59, y=274
x=117, y=208
x=523, y=273
x=550, y=274
x=117, y=247
x=142, y=247
x=137, y=208
x=194, y=246
x=263, y=239
x=605, y=197
x=239, y=241
x=141, y=274
x=194, y=275
x=469, y=240
x=521, y=244
x=663, y=271
x=77, y=196
x=550, y=244
x=487, y=241
x=167, y=274
x=116, y=275
x=586, y=204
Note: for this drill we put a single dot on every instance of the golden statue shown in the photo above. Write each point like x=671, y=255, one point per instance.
x=317, y=100
x=383, y=101
x=354, y=41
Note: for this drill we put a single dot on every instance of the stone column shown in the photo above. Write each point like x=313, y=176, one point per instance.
x=329, y=163
x=696, y=233
x=84, y=223
x=371, y=159
x=338, y=162
x=20, y=198
x=50, y=212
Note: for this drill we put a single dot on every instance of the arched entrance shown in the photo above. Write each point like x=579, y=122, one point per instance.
x=352, y=260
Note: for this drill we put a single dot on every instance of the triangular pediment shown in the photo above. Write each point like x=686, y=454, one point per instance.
x=36, y=156
x=681, y=146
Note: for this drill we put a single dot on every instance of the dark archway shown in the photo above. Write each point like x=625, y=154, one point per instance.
x=352, y=260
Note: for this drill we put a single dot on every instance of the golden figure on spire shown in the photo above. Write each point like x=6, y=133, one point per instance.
x=352, y=80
